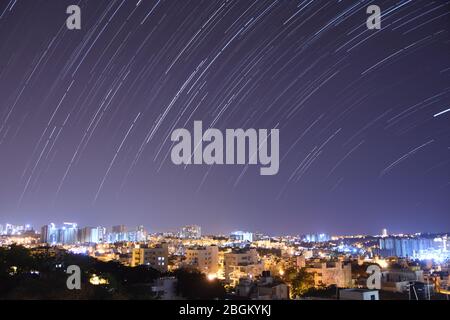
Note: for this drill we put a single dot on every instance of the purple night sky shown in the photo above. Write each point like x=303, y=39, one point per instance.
x=86, y=115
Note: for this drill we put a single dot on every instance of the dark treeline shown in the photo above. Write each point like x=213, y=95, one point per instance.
x=40, y=273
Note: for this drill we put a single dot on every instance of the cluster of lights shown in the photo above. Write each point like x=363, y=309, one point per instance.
x=96, y=280
x=79, y=250
x=14, y=230
x=438, y=256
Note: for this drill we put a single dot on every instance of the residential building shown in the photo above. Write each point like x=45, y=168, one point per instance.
x=358, y=294
x=204, y=259
x=264, y=288
x=398, y=280
x=157, y=257
x=242, y=263
x=328, y=273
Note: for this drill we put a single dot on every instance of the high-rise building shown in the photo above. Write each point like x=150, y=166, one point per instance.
x=14, y=230
x=98, y=235
x=67, y=234
x=404, y=246
x=8, y=229
x=92, y=235
x=257, y=236
x=119, y=229
x=49, y=234
x=84, y=235
x=119, y=234
x=191, y=232
x=141, y=233
x=241, y=236
x=384, y=233
x=317, y=237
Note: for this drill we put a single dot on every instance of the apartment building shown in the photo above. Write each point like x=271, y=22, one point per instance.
x=328, y=273
x=205, y=259
x=157, y=257
x=242, y=263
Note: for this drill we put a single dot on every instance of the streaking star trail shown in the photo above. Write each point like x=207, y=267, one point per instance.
x=86, y=114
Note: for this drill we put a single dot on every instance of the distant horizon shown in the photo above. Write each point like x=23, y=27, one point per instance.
x=219, y=233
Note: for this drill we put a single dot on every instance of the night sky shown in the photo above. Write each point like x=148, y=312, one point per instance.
x=86, y=115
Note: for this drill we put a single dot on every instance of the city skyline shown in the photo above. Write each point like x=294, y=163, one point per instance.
x=309, y=236
x=175, y=227
x=86, y=115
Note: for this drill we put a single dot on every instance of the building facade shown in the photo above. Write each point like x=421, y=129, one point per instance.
x=242, y=263
x=204, y=259
x=156, y=257
x=403, y=246
x=191, y=232
x=331, y=273
x=66, y=234
x=241, y=236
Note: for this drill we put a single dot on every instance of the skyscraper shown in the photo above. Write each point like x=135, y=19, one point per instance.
x=191, y=232
x=49, y=234
x=404, y=247
x=119, y=229
x=241, y=236
x=67, y=234
x=317, y=237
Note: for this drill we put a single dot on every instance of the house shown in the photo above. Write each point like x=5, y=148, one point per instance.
x=358, y=294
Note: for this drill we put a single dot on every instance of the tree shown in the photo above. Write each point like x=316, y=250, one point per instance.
x=301, y=283
x=289, y=275
x=194, y=285
x=39, y=274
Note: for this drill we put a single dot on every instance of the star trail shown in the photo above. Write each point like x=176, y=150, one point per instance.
x=363, y=115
